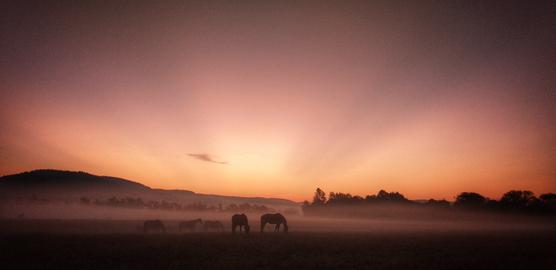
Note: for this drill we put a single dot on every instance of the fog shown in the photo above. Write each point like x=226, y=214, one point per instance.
x=75, y=218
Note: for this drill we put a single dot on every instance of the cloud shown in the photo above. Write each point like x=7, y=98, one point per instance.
x=207, y=158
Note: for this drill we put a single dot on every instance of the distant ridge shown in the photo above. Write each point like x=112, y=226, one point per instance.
x=74, y=184
x=57, y=178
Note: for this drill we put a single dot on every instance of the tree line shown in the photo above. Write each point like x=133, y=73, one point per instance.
x=138, y=203
x=515, y=201
x=129, y=202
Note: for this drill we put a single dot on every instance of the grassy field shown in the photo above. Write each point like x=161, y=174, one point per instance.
x=296, y=250
x=22, y=249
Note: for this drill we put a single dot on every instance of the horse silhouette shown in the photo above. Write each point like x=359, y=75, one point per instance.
x=190, y=225
x=153, y=226
x=241, y=221
x=213, y=225
x=277, y=219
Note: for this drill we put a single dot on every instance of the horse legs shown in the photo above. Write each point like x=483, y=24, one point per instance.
x=234, y=228
x=262, y=226
x=277, y=228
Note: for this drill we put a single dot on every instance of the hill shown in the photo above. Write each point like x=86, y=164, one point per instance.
x=58, y=184
x=52, y=179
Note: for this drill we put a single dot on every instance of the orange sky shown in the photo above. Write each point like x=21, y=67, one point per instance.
x=286, y=97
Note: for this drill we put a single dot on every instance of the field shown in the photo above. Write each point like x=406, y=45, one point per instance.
x=81, y=244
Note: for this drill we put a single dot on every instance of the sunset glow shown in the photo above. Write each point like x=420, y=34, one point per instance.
x=276, y=99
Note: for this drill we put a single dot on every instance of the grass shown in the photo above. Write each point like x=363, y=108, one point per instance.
x=279, y=251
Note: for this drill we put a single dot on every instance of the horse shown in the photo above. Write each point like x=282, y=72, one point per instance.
x=153, y=225
x=277, y=219
x=190, y=225
x=241, y=221
x=213, y=225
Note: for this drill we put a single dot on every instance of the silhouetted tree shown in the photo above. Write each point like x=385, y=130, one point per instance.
x=546, y=203
x=370, y=198
x=492, y=204
x=517, y=199
x=382, y=195
x=470, y=199
x=339, y=198
x=548, y=197
x=438, y=203
x=319, y=198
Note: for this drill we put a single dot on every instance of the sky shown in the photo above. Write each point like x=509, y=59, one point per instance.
x=276, y=98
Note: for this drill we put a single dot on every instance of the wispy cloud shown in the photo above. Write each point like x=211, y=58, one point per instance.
x=207, y=158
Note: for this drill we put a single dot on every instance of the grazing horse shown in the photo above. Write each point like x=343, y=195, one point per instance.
x=274, y=219
x=190, y=225
x=213, y=225
x=154, y=225
x=241, y=221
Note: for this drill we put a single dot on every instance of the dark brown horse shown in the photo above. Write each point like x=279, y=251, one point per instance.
x=190, y=225
x=153, y=226
x=277, y=219
x=211, y=225
x=241, y=221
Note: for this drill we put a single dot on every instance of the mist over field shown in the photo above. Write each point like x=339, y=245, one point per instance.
x=69, y=220
x=24, y=217
x=48, y=200
x=87, y=237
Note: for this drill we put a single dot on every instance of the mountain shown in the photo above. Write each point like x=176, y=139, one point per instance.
x=58, y=184
x=52, y=179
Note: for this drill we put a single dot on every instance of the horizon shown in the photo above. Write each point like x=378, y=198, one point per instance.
x=451, y=200
x=275, y=99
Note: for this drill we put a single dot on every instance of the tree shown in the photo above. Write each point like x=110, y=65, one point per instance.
x=548, y=197
x=548, y=203
x=339, y=198
x=470, y=199
x=319, y=198
x=517, y=199
x=438, y=203
x=370, y=198
x=390, y=196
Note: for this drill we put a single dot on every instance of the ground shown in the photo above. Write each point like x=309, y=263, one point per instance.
x=295, y=250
